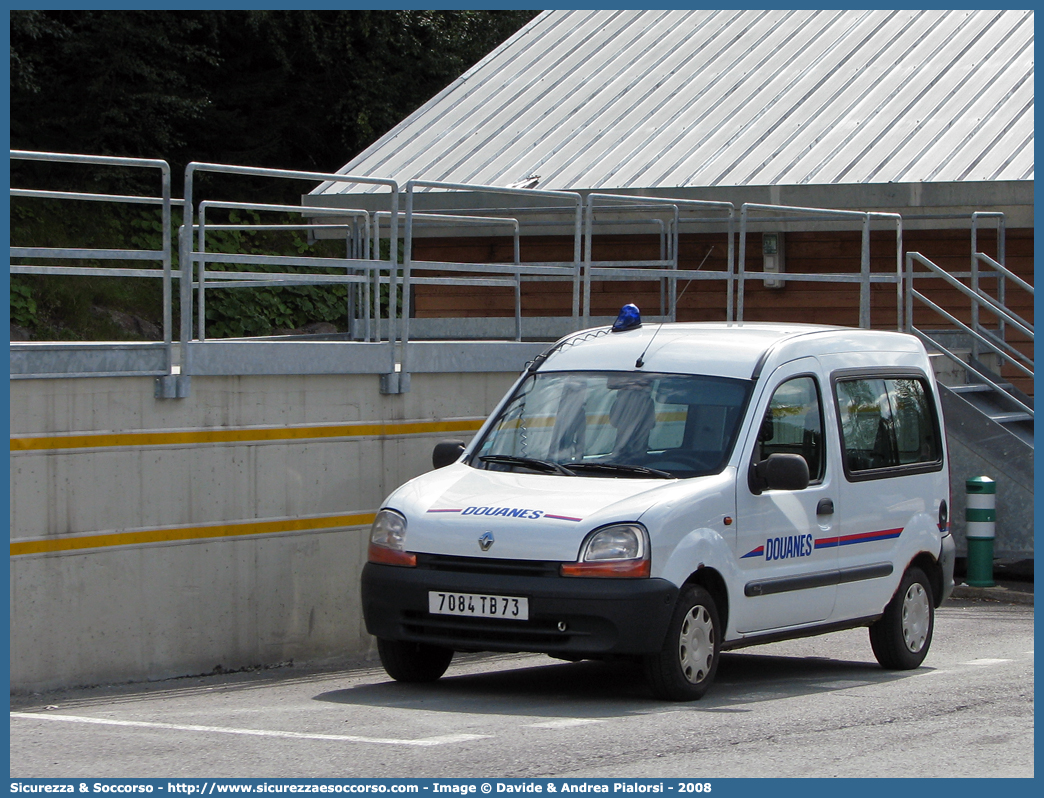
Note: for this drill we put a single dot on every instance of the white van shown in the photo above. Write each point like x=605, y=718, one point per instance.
x=668, y=492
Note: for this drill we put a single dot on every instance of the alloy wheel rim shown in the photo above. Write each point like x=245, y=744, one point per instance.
x=916, y=617
x=696, y=644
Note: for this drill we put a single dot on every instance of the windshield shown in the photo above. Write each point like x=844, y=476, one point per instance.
x=616, y=424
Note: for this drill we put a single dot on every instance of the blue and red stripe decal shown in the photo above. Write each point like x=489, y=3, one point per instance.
x=851, y=540
x=840, y=540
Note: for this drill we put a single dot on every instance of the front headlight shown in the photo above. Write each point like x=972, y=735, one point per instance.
x=388, y=540
x=620, y=550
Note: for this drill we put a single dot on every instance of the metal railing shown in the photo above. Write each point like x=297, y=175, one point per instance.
x=366, y=273
x=241, y=279
x=666, y=268
x=978, y=334
x=864, y=278
x=162, y=255
x=567, y=271
x=189, y=258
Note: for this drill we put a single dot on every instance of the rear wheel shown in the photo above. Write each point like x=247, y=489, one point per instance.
x=901, y=637
x=413, y=662
x=684, y=668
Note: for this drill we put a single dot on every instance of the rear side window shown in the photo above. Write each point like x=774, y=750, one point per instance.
x=887, y=424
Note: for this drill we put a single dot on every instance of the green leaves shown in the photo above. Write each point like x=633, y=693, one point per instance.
x=238, y=312
x=23, y=305
x=299, y=90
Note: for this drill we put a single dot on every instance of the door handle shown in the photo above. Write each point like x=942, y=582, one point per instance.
x=825, y=507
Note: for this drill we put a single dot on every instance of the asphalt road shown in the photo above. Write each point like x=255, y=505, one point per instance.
x=813, y=707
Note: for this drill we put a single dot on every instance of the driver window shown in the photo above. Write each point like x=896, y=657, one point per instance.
x=793, y=424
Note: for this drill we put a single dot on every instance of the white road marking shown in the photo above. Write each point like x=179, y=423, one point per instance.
x=345, y=738
x=564, y=723
x=986, y=662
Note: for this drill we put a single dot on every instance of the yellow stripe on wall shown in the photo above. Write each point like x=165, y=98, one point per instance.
x=361, y=429
x=231, y=530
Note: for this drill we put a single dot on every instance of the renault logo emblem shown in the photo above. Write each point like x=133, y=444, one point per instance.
x=486, y=541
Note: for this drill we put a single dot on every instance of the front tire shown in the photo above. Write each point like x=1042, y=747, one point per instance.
x=685, y=667
x=901, y=637
x=413, y=662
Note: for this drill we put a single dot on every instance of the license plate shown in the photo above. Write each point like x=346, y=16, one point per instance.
x=478, y=605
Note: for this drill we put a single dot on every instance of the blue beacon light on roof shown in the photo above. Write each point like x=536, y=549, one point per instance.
x=630, y=318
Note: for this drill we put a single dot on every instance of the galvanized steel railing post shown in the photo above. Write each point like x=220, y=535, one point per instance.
x=730, y=267
x=975, y=304
x=577, y=222
x=393, y=299
x=407, y=255
x=975, y=255
x=588, y=237
x=168, y=343
x=518, y=281
x=201, y=275
x=899, y=273
x=185, y=250
x=909, y=292
x=742, y=268
x=673, y=301
x=864, y=273
x=185, y=295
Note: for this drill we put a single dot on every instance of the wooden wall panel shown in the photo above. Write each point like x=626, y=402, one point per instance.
x=817, y=253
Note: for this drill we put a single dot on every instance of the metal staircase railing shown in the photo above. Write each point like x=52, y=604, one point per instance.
x=983, y=338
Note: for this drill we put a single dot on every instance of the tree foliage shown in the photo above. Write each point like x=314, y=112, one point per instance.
x=107, y=82
x=287, y=89
x=300, y=90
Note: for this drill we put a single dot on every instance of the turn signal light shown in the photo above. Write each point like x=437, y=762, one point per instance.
x=386, y=556
x=621, y=569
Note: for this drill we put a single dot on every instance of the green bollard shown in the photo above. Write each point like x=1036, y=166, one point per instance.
x=980, y=520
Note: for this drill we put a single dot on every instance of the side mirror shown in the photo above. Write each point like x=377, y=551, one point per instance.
x=779, y=472
x=446, y=453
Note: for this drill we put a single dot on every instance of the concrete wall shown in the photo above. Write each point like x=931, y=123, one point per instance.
x=154, y=538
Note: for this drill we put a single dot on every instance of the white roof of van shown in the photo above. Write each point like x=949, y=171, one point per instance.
x=723, y=349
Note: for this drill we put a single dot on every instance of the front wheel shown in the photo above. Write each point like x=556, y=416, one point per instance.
x=413, y=662
x=901, y=637
x=684, y=668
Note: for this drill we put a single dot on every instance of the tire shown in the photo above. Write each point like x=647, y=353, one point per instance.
x=901, y=637
x=413, y=662
x=685, y=667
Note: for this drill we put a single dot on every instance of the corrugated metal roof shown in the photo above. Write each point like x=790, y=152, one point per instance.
x=661, y=99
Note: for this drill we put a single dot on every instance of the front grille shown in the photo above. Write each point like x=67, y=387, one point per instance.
x=488, y=632
x=484, y=565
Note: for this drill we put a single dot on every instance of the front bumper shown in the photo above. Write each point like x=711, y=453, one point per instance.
x=600, y=616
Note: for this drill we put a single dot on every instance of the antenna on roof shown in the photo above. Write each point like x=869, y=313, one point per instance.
x=641, y=358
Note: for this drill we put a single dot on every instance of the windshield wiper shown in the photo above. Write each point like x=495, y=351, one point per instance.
x=616, y=468
x=528, y=462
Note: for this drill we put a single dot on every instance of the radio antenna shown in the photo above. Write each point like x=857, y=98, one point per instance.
x=641, y=358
